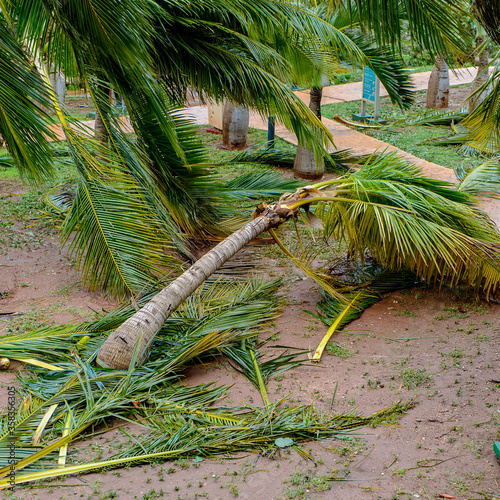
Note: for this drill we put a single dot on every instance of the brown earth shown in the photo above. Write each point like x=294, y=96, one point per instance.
x=415, y=343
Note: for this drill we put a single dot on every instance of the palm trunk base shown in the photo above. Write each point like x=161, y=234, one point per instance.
x=305, y=165
x=139, y=331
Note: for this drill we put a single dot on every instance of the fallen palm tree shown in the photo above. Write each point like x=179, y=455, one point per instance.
x=387, y=209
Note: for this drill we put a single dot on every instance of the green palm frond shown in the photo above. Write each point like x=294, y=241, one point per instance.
x=116, y=244
x=489, y=15
x=246, y=358
x=483, y=123
x=179, y=420
x=437, y=25
x=23, y=124
x=405, y=220
x=336, y=161
x=483, y=180
x=259, y=185
x=388, y=69
x=434, y=117
x=450, y=140
x=368, y=285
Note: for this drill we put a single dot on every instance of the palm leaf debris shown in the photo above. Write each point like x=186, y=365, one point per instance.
x=61, y=406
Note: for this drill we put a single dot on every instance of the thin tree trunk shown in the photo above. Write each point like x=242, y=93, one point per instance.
x=235, y=122
x=305, y=165
x=100, y=131
x=482, y=62
x=438, y=89
x=58, y=82
x=117, y=351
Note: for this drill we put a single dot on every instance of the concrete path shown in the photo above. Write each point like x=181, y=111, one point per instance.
x=352, y=91
x=347, y=138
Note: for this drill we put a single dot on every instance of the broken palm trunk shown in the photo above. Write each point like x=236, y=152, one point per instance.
x=118, y=350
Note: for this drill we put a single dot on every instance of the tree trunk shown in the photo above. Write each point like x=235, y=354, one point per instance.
x=100, y=132
x=117, y=351
x=305, y=166
x=482, y=62
x=59, y=84
x=235, y=121
x=438, y=89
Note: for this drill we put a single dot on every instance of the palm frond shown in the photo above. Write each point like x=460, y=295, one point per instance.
x=405, y=220
x=259, y=185
x=434, y=117
x=336, y=161
x=483, y=180
x=23, y=124
x=435, y=25
x=483, y=123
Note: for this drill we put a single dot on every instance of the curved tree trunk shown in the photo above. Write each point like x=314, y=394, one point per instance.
x=438, y=89
x=235, y=121
x=117, y=351
x=305, y=166
x=482, y=62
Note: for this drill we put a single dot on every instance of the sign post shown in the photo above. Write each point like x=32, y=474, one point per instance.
x=371, y=93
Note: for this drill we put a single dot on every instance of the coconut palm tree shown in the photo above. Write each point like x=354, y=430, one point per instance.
x=438, y=89
x=382, y=26
x=388, y=209
x=151, y=54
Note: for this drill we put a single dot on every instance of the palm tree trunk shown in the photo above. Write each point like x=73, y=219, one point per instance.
x=482, y=62
x=235, y=122
x=100, y=131
x=117, y=351
x=438, y=89
x=306, y=166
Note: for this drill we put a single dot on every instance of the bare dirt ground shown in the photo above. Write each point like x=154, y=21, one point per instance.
x=418, y=344
x=415, y=344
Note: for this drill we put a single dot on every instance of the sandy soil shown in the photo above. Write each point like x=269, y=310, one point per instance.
x=415, y=344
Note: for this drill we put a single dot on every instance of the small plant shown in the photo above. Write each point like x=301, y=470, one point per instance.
x=406, y=312
x=456, y=353
x=339, y=351
x=414, y=377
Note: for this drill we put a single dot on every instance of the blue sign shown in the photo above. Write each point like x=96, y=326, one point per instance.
x=369, y=85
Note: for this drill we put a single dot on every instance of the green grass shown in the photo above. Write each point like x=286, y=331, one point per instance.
x=339, y=351
x=408, y=138
x=414, y=377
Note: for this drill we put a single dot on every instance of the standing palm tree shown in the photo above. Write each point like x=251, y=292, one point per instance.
x=438, y=89
x=380, y=26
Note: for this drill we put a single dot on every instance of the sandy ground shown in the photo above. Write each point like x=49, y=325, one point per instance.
x=416, y=344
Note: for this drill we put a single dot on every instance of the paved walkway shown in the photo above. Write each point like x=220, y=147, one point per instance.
x=347, y=138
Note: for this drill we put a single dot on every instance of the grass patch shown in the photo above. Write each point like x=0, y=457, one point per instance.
x=407, y=313
x=414, y=377
x=408, y=138
x=338, y=350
